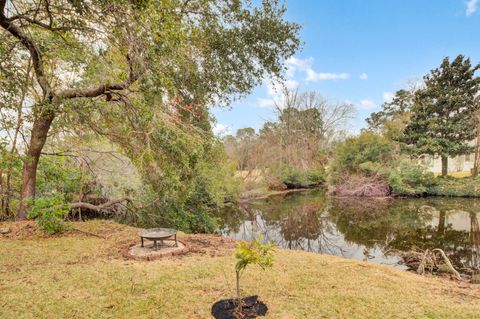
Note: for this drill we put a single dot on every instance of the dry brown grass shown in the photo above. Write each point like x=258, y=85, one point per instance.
x=85, y=276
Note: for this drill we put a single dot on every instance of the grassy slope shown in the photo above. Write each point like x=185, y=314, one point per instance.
x=80, y=276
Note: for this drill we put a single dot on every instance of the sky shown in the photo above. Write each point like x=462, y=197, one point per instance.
x=361, y=52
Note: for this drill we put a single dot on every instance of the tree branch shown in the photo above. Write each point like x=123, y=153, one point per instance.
x=31, y=46
x=103, y=88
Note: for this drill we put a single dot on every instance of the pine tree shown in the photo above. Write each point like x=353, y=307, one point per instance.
x=442, y=120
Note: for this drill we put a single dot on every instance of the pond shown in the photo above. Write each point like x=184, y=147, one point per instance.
x=377, y=230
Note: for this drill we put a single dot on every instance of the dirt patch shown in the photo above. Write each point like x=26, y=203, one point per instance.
x=212, y=245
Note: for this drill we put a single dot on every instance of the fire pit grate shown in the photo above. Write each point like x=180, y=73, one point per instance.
x=158, y=234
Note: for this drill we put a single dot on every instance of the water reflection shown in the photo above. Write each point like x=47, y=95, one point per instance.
x=373, y=229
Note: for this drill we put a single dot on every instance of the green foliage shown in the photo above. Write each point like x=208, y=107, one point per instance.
x=370, y=168
x=366, y=147
x=297, y=178
x=193, y=205
x=50, y=212
x=443, y=112
x=408, y=178
x=254, y=253
x=147, y=87
x=60, y=174
x=456, y=187
x=394, y=116
x=316, y=176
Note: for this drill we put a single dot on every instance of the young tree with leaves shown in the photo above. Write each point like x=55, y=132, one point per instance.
x=138, y=56
x=442, y=120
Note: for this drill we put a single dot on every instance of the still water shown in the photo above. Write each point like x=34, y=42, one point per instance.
x=377, y=230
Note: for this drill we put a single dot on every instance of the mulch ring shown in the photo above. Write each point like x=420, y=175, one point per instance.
x=251, y=307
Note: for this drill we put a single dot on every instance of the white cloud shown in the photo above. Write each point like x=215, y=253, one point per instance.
x=388, y=96
x=364, y=76
x=314, y=76
x=295, y=68
x=266, y=103
x=301, y=64
x=291, y=84
x=222, y=129
x=367, y=104
x=274, y=90
x=472, y=6
x=305, y=65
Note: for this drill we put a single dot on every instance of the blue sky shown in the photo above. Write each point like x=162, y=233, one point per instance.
x=362, y=51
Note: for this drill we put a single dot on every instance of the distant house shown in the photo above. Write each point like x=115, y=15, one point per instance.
x=462, y=163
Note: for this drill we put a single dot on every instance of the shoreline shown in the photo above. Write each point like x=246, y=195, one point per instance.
x=276, y=193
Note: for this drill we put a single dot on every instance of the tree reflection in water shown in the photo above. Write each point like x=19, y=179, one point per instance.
x=353, y=227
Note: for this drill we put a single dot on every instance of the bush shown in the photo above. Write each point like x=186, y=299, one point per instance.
x=408, y=178
x=50, y=212
x=370, y=169
x=316, y=176
x=361, y=149
x=298, y=178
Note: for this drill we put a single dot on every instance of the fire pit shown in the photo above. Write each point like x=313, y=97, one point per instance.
x=158, y=234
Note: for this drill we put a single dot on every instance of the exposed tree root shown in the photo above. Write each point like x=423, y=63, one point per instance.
x=428, y=260
x=448, y=263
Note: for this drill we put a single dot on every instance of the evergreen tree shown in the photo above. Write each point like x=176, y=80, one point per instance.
x=394, y=116
x=442, y=120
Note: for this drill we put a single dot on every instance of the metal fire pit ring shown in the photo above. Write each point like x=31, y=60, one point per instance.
x=158, y=234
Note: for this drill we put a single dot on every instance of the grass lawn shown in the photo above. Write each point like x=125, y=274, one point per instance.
x=79, y=275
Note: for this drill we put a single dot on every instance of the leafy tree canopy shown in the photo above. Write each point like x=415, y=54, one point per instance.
x=142, y=73
x=442, y=121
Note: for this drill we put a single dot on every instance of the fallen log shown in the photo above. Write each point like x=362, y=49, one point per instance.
x=101, y=207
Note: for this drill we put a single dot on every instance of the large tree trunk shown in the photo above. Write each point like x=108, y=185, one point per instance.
x=40, y=129
x=476, y=160
x=444, y=166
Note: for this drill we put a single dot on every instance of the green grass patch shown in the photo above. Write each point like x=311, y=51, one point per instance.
x=74, y=276
x=452, y=186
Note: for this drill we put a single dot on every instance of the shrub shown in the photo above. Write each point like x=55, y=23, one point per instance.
x=299, y=178
x=366, y=147
x=50, y=212
x=370, y=168
x=408, y=178
x=316, y=176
